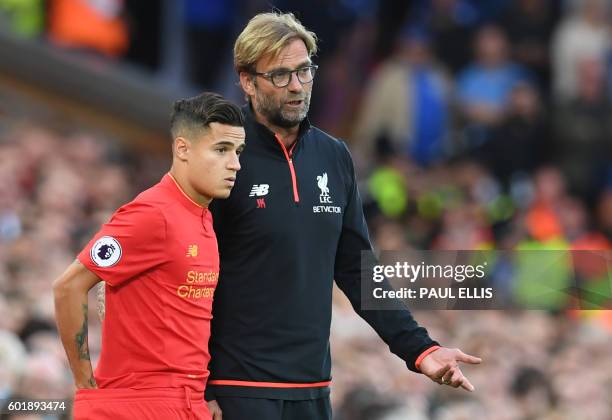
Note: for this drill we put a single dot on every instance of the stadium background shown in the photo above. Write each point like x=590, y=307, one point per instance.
x=503, y=145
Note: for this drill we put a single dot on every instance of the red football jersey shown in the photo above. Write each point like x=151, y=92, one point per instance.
x=158, y=255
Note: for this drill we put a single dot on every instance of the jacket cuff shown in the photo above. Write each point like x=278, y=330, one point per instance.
x=209, y=394
x=417, y=363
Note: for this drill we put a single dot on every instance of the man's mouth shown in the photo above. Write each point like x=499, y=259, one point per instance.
x=297, y=102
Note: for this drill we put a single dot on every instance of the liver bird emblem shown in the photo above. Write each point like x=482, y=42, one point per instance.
x=322, y=183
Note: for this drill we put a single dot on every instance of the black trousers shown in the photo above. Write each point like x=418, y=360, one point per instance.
x=241, y=408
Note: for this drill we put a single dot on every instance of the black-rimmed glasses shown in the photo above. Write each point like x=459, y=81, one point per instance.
x=282, y=78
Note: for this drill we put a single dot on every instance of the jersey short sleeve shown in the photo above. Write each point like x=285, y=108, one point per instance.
x=131, y=243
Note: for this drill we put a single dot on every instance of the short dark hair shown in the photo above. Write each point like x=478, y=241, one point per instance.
x=202, y=110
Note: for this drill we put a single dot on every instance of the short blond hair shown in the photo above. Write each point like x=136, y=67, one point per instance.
x=269, y=33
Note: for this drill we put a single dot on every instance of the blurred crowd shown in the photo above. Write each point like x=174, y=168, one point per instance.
x=473, y=125
x=59, y=185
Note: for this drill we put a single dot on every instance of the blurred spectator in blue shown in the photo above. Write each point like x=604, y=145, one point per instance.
x=208, y=32
x=583, y=132
x=529, y=25
x=522, y=133
x=583, y=33
x=484, y=88
x=407, y=101
x=23, y=17
x=430, y=99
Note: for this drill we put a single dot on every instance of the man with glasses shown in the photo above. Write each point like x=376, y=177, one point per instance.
x=293, y=224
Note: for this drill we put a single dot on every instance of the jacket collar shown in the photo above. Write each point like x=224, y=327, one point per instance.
x=263, y=137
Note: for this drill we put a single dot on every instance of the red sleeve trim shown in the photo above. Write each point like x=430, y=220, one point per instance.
x=419, y=359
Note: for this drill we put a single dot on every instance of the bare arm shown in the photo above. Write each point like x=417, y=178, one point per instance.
x=70, y=292
x=101, y=300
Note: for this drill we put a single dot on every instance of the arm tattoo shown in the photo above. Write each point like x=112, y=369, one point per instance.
x=81, y=337
x=92, y=382
x=100, y=297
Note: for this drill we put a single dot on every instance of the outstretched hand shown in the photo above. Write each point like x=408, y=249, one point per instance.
x=442, y=366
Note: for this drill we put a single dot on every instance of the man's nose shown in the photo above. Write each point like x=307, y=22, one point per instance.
x=294, y=83
x=234, y=163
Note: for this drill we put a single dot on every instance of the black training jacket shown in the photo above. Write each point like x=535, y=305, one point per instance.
x=293, y=224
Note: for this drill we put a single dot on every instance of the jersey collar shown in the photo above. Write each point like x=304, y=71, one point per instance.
x=177, y=192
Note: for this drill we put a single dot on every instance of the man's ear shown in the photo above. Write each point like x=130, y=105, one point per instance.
x=247, y=82
x=181, y=148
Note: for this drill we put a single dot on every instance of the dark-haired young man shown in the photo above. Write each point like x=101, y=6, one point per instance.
x=158, y=256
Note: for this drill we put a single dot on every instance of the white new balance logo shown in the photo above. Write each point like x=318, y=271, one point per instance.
x=259, y=190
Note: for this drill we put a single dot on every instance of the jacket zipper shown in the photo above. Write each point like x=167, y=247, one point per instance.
x=296, y=196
